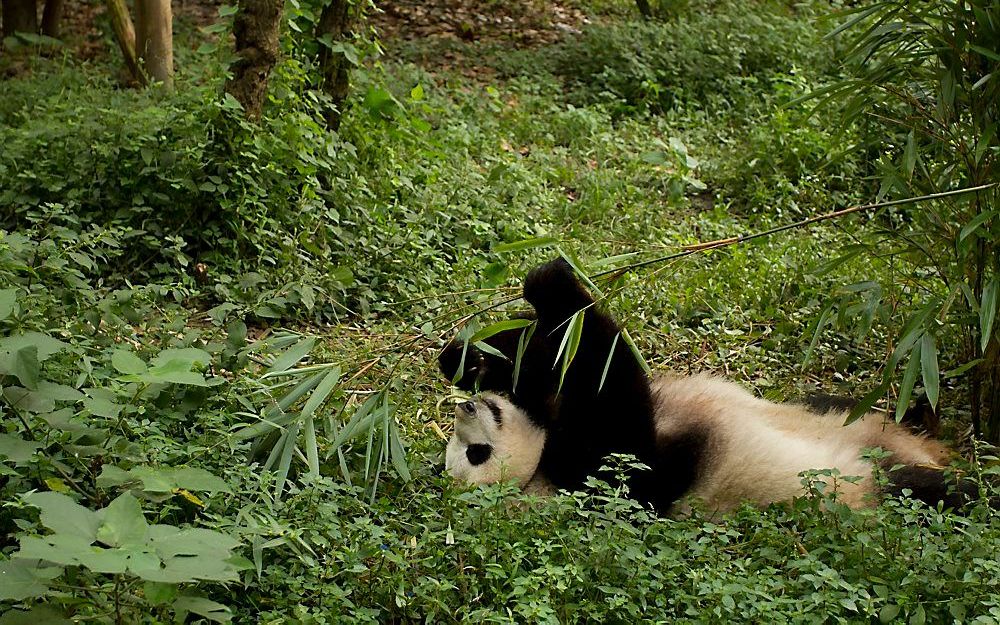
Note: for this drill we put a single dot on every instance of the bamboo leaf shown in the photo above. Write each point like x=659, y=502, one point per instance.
x=358, y=420
x=291, y=434
x=522, y=343
x=489, y=349
x=312, y=450
x=498, y=327
x=397, y=453
x=571, y=342
x=635, y=352
x=974, y=223
x=909, y=379
x=607, y=363
x=291, y=356
x=929, y=368
x=866, y=403
x=460, y=371
x=323, y=390
x=821, y=321
x=988, y=311
x=525, y=244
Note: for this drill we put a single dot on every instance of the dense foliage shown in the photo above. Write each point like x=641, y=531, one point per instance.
x=216, y=337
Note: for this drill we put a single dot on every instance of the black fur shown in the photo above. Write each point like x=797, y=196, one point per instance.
x=477, y=453
x=931, y=485
x=583, y=424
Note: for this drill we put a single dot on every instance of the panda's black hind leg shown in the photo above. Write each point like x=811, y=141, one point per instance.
x=931, y=485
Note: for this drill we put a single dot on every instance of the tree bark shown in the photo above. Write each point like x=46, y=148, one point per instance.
x=19, y=16
x=155, y=40
x=121, y=23
x=256, y=28
x=52, y=18
x=644, y=9
x=335, y=25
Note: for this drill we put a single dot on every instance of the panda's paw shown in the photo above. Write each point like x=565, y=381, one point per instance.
x=554, y=288
x=450, y=359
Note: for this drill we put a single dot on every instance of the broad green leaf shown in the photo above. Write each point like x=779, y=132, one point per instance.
x=291, y=356
x=176, y=371
x=203, y=607
x=8, y=297
x=929, y=368
x=500, y=326
x=888, y=613
x=24, y=365
x=61, y=549
x=38, y=615
x=101, y=407
x=988, y=310
x=57, y=392
x=20, y=580
x=193, y=478
x=62, y=515
x=122, y=522
x=28, y=401
x=17, y=450
x=525, y=244
x=111, y=476
x=909, y=379
x=127, y=363
x=158, y=593
x=45, y=344
x=191, y=355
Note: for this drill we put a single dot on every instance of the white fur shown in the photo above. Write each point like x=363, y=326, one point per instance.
x=517, y=445
x=755, y=449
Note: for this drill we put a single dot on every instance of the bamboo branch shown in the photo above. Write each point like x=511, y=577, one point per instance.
x=694, y=248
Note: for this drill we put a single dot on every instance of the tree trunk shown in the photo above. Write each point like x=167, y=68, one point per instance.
x=52, y=17
x=125, y=35
x=644, y=8
x=155, y=40
x=334, y=25
x=256, y=29
x=19, y=16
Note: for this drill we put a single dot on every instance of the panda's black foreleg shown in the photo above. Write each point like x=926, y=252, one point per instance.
x=555, y=292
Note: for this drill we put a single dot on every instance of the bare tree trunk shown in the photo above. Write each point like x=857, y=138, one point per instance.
x=52, y=17
x=155, y=40
x=644, y=8
x=256, y=29
x=125, y=35
x=335, y=25
x=19, y=16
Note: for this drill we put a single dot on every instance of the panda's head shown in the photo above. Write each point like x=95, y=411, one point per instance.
x=494, y=441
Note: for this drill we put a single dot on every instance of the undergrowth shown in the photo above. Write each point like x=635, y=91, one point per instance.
x=219, y=397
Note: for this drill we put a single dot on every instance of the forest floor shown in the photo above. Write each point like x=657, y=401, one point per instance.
x=265, y=302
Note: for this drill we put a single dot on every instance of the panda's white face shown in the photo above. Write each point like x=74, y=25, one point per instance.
x=494, y=440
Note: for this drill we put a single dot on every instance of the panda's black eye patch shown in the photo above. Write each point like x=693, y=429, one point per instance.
x=495, y=409
x=478, y=453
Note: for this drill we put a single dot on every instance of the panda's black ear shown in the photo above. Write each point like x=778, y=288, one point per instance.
x=555, y=292
x=450, y=359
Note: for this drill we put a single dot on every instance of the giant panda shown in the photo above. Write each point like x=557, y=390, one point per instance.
x=700, y=436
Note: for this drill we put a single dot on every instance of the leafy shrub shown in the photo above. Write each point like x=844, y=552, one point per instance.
x=714, y=54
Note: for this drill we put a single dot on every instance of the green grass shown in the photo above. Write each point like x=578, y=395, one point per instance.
x=141, y=224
